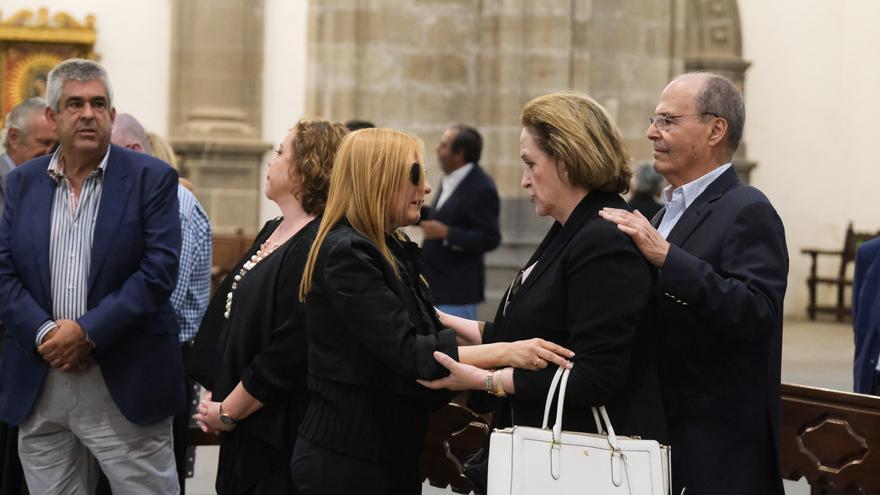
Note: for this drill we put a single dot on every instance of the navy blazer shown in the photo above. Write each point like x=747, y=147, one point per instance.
x=719, y=307
x=455, y=269
x=866, y=316
x=135, y=252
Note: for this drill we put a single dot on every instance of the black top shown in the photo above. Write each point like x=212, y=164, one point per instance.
x=371, y=335
x=590, y=292
x=263, y=345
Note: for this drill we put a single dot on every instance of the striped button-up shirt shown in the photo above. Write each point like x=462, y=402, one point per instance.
x=190, y=296
x=70, y=240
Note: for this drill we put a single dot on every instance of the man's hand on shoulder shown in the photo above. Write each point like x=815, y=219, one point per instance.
x=434, y=229
x=65, y=347
x=652, y=245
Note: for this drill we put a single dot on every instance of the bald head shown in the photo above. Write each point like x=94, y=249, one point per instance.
x=129, y=133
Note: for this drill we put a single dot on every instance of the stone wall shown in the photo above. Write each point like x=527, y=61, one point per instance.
x=423, y=65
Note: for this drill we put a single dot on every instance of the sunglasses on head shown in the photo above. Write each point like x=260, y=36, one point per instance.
x=415, y=173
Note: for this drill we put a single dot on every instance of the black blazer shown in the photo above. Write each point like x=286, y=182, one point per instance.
x=719, y=304
x=371, y=334
x=590, y=292
x=454, y=267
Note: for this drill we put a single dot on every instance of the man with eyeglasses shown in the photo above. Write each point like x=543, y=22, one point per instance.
x=89, y=248
x=719, y=247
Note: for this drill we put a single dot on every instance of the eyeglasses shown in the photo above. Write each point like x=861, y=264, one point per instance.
x=663, y=121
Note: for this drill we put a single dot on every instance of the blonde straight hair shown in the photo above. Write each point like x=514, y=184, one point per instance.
x=370, y=172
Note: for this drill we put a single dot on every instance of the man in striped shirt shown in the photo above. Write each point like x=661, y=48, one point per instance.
x=89, y=249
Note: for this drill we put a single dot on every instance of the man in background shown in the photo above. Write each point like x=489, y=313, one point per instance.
x=26, y=134
x=462, y=224
x=866, y=318
x=649, y=184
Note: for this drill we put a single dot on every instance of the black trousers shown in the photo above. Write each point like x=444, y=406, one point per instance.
x=876, y=383
x=11, y=475
x=319, y=471
x=180, y=425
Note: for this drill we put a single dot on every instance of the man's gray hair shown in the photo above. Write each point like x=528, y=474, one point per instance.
x=721, y=97
x=18, y=118
x=75, y=69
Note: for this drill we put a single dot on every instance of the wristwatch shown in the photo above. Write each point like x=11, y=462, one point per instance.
x=225, y=418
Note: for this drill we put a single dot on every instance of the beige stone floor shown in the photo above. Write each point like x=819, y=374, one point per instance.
x=814, y=353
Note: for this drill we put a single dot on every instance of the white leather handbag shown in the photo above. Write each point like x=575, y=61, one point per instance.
x=525, y=460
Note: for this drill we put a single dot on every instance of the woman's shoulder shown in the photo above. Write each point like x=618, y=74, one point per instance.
x=344, y=237
x=344, y=243
x=596, y=231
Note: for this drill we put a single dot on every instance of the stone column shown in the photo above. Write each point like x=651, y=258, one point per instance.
x=216, y=106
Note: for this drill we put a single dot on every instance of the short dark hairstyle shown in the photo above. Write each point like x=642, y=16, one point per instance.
x=354, y=125
x=469, y=142
x=719, y=96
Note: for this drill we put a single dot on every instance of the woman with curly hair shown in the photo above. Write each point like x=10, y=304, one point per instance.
x=257, y=389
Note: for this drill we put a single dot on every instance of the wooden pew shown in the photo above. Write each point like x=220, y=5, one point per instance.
x=832, y=439
x=454, y=434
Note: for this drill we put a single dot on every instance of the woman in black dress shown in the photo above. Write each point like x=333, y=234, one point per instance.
x=586, y=287
x=258, y=390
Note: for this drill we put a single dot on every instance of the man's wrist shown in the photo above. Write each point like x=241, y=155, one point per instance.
x=44, y=329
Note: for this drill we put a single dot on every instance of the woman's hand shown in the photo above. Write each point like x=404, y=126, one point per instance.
x=208, y=416
x=467, y=332
x=536, y=354
x=461, y=376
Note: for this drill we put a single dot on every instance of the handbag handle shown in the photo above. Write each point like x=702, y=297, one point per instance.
x=560, y=379
x=550, y=393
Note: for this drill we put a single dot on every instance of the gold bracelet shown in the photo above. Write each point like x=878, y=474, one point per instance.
x=498, y=381
x=487, y=382
x=481, y=326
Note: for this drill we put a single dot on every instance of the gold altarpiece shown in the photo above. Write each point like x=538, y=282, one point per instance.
x=31, y=43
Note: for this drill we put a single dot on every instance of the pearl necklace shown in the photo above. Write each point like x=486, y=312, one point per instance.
x=265, y=250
